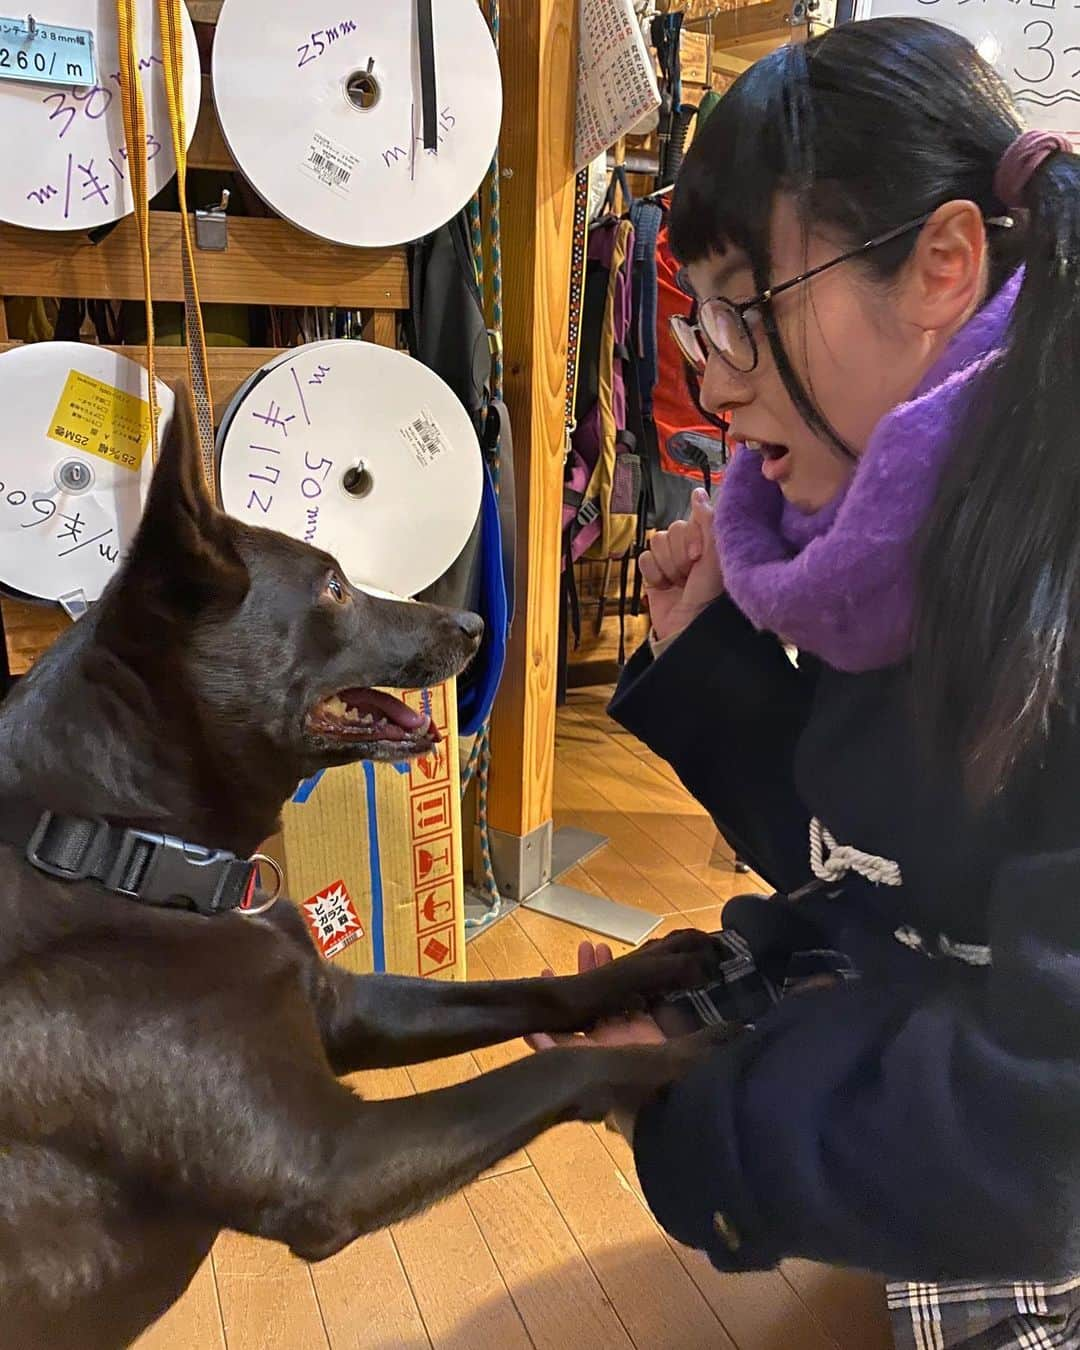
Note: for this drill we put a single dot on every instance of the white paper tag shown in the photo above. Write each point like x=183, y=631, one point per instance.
x=42, y=53
x=331, y=164
x=425, y=438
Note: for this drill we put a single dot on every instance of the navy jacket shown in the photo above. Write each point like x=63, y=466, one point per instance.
x=923, y=1121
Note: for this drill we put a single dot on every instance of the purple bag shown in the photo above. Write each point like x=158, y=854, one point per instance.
x=602, y=484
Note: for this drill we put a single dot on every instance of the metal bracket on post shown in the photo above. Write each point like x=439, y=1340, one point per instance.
x=528, y=872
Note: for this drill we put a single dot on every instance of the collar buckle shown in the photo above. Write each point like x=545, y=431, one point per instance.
x=161, y=870
x=147, y=865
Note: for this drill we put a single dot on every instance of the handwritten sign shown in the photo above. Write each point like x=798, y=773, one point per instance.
x=362, y=452
x=63, y=155
x=74, y=466
x=1034, y=44
x=322, y=109
x=322, y=40
x=44, y=54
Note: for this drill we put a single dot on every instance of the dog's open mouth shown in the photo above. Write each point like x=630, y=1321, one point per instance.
x=358, y=716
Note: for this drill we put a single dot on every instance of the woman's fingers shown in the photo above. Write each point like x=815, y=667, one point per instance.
x=701, y=510
x=671, y=551
x=651, y=574
x=586, y=957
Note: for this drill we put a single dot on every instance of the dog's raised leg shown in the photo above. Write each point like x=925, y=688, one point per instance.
x=381, y=1021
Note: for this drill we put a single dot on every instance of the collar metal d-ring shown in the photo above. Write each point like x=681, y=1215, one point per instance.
x=253, y=911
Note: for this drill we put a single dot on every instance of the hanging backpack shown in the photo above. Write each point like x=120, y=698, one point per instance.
x=688, y=444
x=603, y=484
x=446, y=330
x=668, y=494
x=604, y=493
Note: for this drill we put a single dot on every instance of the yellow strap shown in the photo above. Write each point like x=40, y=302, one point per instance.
x=170, y=19
x=135, y=136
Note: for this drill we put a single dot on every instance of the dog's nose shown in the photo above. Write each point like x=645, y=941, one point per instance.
x=472, y=625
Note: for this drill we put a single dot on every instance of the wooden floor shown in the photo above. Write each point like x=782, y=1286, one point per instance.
x=555, y=1249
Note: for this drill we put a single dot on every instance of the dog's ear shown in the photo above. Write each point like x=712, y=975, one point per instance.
x=184, y=549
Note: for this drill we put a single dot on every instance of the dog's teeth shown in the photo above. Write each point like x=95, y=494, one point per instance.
x=335, y=707
x=367, y=720
x=351, y=715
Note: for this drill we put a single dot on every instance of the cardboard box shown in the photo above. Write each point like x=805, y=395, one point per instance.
x=373, y=857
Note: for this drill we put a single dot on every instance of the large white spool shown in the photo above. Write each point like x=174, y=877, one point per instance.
x=75, y=465
x=63, y=157
x=288, y=97
x=361, y=451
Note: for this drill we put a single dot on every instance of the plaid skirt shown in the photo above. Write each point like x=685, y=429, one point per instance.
x=996, y=1315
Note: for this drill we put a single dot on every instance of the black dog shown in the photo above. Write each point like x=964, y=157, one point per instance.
x=168, y=1070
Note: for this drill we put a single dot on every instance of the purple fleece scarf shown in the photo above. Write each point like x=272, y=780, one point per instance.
x=840, y=582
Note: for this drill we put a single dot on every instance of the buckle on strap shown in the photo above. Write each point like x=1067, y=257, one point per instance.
x=589, y=512
x=76, y=868
x=149, y=866
x=162, y=870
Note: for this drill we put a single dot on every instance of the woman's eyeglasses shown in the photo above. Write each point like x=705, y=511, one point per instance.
x=721, y=325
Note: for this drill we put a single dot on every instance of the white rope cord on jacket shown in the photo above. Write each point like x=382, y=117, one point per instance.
x=843, y=858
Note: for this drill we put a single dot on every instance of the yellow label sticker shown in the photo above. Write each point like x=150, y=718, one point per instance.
x=95, y=417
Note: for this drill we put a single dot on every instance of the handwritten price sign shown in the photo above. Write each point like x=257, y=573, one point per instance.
x=63, y=155
x=1034, y=44
x=42, y=54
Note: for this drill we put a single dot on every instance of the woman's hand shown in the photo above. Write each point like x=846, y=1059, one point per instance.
x=635, y=1029
x=681, y=570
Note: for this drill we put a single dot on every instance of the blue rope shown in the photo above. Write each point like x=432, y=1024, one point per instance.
x=479, y=764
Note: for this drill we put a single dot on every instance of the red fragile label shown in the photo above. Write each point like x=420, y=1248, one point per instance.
x=436, y=951
x=333, y=920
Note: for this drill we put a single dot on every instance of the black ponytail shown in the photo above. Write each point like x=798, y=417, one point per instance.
x=996, y=651
x=865, y=127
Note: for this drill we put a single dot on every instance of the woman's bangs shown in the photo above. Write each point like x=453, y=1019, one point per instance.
x=744, y=153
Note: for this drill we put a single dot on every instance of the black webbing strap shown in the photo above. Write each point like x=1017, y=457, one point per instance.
x=139, y=864
x=573, y=603
x=425, y=36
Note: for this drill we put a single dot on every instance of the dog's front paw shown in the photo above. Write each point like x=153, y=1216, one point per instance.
x=688, y=959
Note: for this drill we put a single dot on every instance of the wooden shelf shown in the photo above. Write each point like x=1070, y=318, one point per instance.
x=229, y=366
x=268, y=262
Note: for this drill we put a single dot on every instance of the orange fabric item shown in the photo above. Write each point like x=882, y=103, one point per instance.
x=674, y=410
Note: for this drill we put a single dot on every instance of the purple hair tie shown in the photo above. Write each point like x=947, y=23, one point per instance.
x=1019, y=162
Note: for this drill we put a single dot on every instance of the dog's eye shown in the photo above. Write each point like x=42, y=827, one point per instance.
x=335, y=588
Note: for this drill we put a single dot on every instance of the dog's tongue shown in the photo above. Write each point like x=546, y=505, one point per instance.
x=386, y=706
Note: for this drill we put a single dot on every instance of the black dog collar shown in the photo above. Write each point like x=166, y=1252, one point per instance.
x=154, y=868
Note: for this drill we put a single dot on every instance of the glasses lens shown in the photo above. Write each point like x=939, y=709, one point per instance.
x=690, y=344
x=726, y=329
x=682, y=280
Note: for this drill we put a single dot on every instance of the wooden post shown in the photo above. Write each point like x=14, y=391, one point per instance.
x=539, y=55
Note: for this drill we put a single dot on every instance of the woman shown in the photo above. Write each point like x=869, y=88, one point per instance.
x=887, y=286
